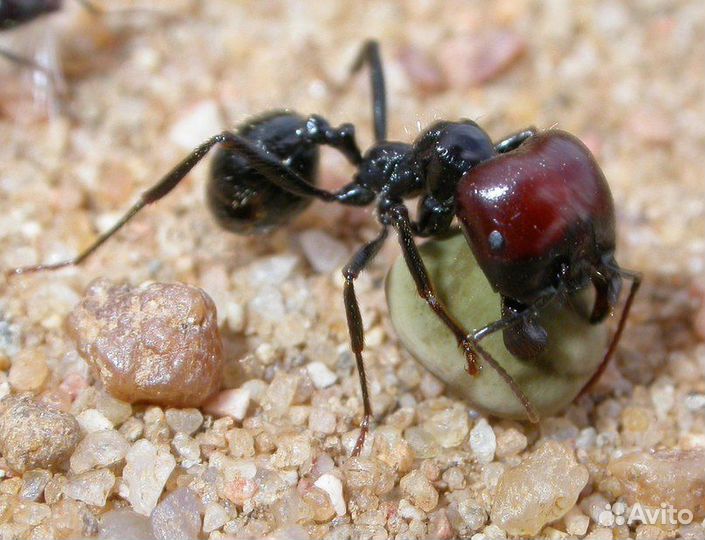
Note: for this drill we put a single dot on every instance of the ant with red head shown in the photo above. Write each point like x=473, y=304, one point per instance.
x=535, y=208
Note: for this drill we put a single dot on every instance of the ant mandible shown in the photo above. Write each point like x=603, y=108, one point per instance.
x=535, y=208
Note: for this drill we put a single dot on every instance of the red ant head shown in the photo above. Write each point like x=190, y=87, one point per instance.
x=535, y=212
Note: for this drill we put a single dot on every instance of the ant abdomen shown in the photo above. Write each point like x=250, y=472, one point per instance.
x=244, y=202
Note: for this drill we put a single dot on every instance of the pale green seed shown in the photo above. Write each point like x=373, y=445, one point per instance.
x=551, y=381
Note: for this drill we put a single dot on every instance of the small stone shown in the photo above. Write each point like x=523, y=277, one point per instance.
x=33, y=437
x=454, y=478
x=235, y=316
x=586, y=438
x=318, y=501
x=483, y=441
x=184, y=420
x=214, y=517
x=178, y=516
x=322, y=421
x=422, y=443
x=422, y=70
x=292, y=451
x=409, y=511
x=187, y=448
x=241, y=443
x=92, y=420
x=543, y=488
x=279, y=395
x=266, y=353
x=493, y=532
x=323, y=252
x=233, y=403
x=334, y=488
x=671, y=477
x=30, y=513
x=576, y=523
x=472, y=513
x=420, y=490
x=321, y=375
x=448, y=427
x=430, y=386
x=132, y=429
x=33, y=484
x=157, y=344
x=240, y=491
x=99, y=449
x=195, y=124
x=124, y=525
x=115, y=410
x=475, y=59
x=510, y=442
x=28, y=373
x=147, y=470
x=91, y=487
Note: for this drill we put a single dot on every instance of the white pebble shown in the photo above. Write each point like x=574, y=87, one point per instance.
x=334, y=488
x=323, y=252
x=215, y=517
x=409, y=511
x=147, y=470
x=178, y=516
x=321, y=376
x=272, y=271
x=235, y=315
x=121, y=524
x=201, y=121
x=233, y=402
x=576, y=522
x=100, y=448
x=695, y=402
x=92, y=420
x=483, y=441
x=91, y=487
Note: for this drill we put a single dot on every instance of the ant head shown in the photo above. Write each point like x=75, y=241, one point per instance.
x=527, y=211
x=447, y=150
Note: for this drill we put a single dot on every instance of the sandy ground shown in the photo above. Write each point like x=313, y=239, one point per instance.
x=141, y=90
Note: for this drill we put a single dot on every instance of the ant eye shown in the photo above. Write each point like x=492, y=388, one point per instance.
x=496, y=241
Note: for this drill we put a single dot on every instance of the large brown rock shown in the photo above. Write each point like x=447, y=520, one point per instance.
x=157, y=343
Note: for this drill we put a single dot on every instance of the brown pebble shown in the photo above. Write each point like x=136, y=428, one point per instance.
x=29, y=372
x=473, y=60
x=157, y=344
x=422, y=70
x=35, y=437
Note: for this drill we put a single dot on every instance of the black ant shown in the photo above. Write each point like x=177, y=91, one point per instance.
x=535, y=209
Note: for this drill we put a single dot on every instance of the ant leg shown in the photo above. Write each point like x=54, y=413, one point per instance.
x=636, y=282
x=342, y=138
x=369, y=54
x=357, y=339
x=156, y=192
x=268, y=166
x=514, y=141
x=400, y=220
